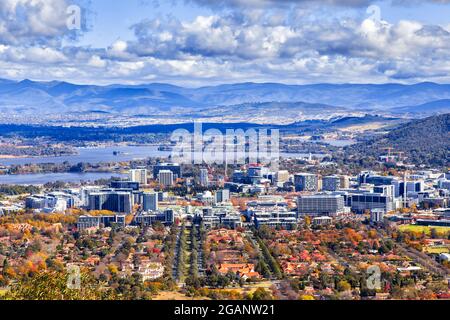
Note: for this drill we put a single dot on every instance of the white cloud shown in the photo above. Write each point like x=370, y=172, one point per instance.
x=32, y=20
x=97, y=62
x=232, y=46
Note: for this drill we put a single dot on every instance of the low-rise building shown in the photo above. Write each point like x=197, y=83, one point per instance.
x=87, y=222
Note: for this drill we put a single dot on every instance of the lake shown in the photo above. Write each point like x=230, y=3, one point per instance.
x=106, y=154
x=95, y=155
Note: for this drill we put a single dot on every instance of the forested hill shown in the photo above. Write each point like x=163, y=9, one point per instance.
x=424, y=141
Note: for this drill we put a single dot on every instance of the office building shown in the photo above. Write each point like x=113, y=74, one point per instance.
x=320, y=205
x=345, y=182
x=139, y=175
x=377, y=215
x=120, y=184
x=175, y=168
x=376, y=180
x=239, y=176
x=282, y=176
x=306, y=182
x=369, y=201
x=219, y=216
x=222, y=196
x=387, y=190
x=150, y=201
x=162, y=196
x=275, y=218
x=115, y=201
x=322, y=221
x=255, y=172
x=146, y=218
x=444, y=184
x=331, y=183
x=86, y=222
x=204, y=177
x=48, y=203
x=166, y=178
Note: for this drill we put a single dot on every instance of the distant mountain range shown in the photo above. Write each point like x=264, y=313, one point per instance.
x=298, y=102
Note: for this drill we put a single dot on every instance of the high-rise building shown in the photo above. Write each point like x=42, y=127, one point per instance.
x=331, y=183
x=255, y=171
x=306, y=182
x=115, y=201
x=320, y=205
x=175, y=168
x=282, y=176
x=345, y=182
x=150, y=201
x=166, y=178
x=222, y=196
x=138, y=175
x=204, y=177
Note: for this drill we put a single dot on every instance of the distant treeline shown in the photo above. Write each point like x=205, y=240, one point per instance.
x=12, y=190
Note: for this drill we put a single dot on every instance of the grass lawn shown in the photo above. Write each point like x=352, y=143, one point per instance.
x=420, y=229
x=172, y=295
x=250, y=288
x=437, y=250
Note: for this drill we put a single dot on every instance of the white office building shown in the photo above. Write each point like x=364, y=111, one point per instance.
x=166, y=178
x=139, y=175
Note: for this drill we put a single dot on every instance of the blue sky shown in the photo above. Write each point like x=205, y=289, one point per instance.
x=198, y=42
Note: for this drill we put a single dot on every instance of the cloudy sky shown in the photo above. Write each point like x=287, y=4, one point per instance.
x=202, y=42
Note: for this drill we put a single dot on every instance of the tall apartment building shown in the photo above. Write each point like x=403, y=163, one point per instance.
x=282, y=176
x=175, y=168
x=222, y=196
x=320, y=205
x=331, y=183
x=306, y=182
x=204, y=177
x=138, y=175
x=345, y=182
x=150, y=201
x=166, y=178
